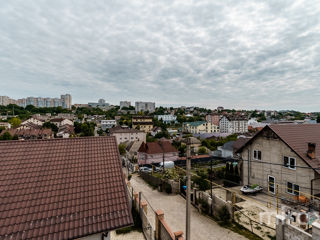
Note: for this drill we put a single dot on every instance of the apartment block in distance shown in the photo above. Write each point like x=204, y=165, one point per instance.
x=125, y=104
x=143, y=123
x=200, y=127
x=64, y=101
x=145, y=106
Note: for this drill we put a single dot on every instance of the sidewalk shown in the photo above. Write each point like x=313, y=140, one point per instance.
x=174, y=207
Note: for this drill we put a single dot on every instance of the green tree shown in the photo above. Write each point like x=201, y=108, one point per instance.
x=15, y=122
x=6, y=136
x=122, y=149
x=318, y=118
x=51, y=126
x=202, y=150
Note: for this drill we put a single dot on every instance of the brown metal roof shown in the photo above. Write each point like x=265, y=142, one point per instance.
x=163, y=146
x=61, y=188
x=297, y=137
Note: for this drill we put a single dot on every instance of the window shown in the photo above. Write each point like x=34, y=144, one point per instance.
x=293, y=188
x=289, y=162
x=257, y=154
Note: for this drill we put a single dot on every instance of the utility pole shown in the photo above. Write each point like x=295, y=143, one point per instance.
x=163, y=161
x=188, y=210
x=211, y=175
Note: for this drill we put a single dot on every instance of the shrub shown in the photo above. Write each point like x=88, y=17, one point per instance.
x=129, y=177
x=168, y=188
x=224, y=215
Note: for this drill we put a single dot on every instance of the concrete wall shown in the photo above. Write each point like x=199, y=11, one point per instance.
x=123, y=137
x=144, y=158
x=273, y=151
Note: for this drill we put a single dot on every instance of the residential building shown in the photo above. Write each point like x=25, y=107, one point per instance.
x=65, y=101
x=219, y=109
x=125, y=104
x=167, y=118
x=157, y=152
x=5, y=125
x=213, y=119
x=132, y=149
x=127, y=134
x=32, y=120
x=233, y=124
x=200, y=127
x=155, y=131
x=284, y=156
x=61, y=121
x=42, y=118
x=143, y=123
x=65, y=131
x=30, y=133
x=107, y=124
x=62, y=189
x=225, y=151
x=100, y=104
x=145, y=106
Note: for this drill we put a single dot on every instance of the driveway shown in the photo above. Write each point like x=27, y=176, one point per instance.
x=174, y=207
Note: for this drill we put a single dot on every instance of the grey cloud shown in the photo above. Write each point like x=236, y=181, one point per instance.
x=250, y=54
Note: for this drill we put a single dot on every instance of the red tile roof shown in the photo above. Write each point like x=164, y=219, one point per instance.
x=61, y=188
x=157, y=147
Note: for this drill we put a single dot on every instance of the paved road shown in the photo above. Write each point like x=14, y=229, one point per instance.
x=202, y=228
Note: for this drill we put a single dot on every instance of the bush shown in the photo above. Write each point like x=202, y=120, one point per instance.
x=129, y=177
x=168, y=188
x=204, y=206
x=224, y=215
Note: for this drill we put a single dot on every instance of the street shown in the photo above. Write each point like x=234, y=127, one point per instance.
x=174, y=207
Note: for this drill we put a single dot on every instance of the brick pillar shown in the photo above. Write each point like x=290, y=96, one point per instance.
x=280, y=222
x=316, y=230
x=144, y=206
x=159, y=216
x=178, y=235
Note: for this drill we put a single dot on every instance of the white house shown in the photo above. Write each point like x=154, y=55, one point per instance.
x=107, y=124
x=33, y=121
x=127, y=134
x=60, y=122
x=167, y=118
x=233, y=124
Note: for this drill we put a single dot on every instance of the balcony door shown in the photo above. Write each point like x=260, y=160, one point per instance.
x=271, y=184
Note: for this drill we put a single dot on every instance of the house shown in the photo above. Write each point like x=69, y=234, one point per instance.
x=62, y=189
x=167, y=118
x=26, y=134
x=132, y=149
x=143, y=123
x=32, y=120
x=213, y=118
x=61, y=121
x=284, y=156
x=155, y=130
x=65, y=131
x=226, y=150
x=5, y=125
x=233, y=124
x=157, y=152
x=127, y=134
x=200, y=127
x=107, y=124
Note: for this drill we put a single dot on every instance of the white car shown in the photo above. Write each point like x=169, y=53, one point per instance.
x=145, y=169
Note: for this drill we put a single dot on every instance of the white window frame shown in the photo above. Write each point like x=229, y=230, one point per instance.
x=289, y=163
x=257, y=154
x=293, y=189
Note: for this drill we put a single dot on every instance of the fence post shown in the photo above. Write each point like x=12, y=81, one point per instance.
x=280, y=223
x=316, y=230
x=159, y=216
x=178, y=235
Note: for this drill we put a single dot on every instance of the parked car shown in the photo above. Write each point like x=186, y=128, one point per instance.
x=145, y=169
x=168, y=164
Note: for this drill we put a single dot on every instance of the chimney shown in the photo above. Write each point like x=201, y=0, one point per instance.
x=311, y=153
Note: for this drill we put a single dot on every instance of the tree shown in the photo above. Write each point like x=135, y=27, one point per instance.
x=2, y=128
x=51, y=126
x=6, y=136
x=202, y=150
x=15, y=122
x=122, y=149
x=318, y=118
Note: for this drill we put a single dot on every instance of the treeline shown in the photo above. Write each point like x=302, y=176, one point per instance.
x=212, y=144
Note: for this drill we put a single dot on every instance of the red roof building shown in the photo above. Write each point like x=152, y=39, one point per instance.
x=61, y=188
x=155, y=152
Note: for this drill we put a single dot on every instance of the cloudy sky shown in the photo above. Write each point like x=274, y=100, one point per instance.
x=238, y=54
